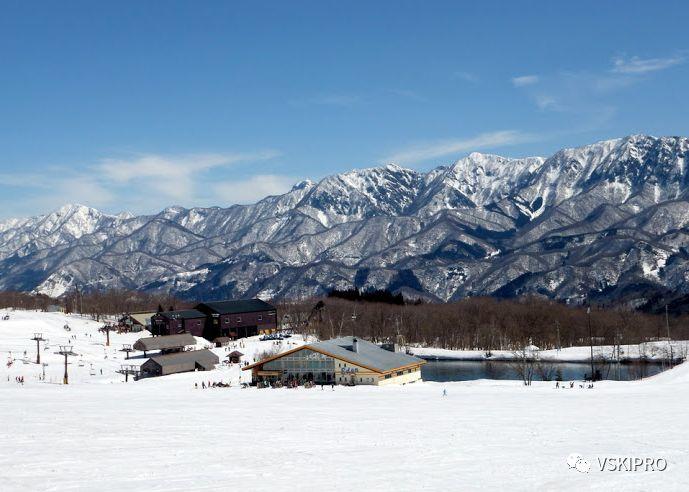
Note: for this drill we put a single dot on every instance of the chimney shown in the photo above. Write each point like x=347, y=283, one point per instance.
x=355, y=345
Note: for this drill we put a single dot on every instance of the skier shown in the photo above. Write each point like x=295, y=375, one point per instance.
x=444, y=392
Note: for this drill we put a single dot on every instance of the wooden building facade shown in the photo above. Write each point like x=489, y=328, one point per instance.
x=174, y=322
x=238, y=319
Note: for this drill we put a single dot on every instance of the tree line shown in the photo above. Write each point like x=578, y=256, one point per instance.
x=478, y=323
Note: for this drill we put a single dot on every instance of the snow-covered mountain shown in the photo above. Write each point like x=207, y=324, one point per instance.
x=608, y=219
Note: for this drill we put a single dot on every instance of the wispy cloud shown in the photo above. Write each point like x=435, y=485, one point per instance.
x=172, y=175
x=588, y=94
x=524, y=80
x=546, y=101
x=453, y=147
x=636, y=65
x=409, y=94
x=144, y=183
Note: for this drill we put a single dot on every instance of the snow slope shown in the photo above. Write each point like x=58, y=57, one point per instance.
x=648, y=351
x=163, y=435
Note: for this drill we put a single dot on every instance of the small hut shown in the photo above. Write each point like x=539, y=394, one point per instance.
x=222, y=341
x=234, y=357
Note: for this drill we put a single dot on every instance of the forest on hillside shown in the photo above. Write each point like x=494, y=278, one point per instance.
x=480, y=323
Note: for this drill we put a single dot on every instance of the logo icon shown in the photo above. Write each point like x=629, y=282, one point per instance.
x=578, y=462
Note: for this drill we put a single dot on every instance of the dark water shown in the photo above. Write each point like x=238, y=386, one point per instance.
x=470, y=370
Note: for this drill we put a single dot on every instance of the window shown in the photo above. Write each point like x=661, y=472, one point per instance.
x=260, y=317
x=399, y=373
x=388, y=376
x=239, y=319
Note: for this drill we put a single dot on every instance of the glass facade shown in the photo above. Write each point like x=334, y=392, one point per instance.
x=305, y=365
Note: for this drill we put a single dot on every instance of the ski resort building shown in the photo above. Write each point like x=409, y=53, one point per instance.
x=136, y=322
x=196, y=360
x=346, y=360
x=166, y=344
x=173, y=322
x=238, y=319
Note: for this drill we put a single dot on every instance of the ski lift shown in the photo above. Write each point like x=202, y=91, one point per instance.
x=92, y=371
x=81, y=363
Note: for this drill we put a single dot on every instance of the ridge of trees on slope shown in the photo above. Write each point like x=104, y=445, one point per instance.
x=478, y=323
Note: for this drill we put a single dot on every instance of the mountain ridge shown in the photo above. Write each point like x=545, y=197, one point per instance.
x=590, y=219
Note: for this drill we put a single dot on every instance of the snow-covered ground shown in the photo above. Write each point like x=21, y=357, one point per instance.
x=96, y=362
x=650, y=351
x=162, y=434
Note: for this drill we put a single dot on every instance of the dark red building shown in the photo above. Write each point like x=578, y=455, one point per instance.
x=238, y=319
x=174, y=322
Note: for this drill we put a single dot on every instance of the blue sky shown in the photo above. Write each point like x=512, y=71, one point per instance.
x=140, y=105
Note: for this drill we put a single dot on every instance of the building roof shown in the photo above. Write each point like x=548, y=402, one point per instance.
x=165, y=342
x=183, y=314
x=142, y=318
x=222, y=340
x=368, y=355
x=236, y=307
x=205, y=358
x=235, y=353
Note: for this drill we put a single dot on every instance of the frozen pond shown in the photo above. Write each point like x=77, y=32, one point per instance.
x=448, y=370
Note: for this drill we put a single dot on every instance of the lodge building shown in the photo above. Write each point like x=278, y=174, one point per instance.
x=174, y=363
x=212, y=320
x=239, y=319
x=346, y=360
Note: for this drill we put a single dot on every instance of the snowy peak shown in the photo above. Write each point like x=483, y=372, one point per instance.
x=625, y=165
x=485, y=224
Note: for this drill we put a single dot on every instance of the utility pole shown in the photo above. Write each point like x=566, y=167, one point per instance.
x=39, y=338
x=66, y=350
x=557, y=327
x=667, y=325
x=588, y=317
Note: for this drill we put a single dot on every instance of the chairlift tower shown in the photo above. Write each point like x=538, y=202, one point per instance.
x=39, y=338
x=107, y=329
x=127, y=347
x=67, y=351
x=128, y=369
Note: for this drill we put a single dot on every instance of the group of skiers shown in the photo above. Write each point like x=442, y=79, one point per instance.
x=219, y=384
x=571, y=385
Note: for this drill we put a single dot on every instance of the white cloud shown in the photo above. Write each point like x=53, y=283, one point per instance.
x=442, y=148
x=636, y=65
x=524, y=80
x=545, y=101
x=146, y=183
x=254, y=188
x=171, y=176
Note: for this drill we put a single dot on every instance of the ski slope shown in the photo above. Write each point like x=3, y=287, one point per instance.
x=163, y=434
